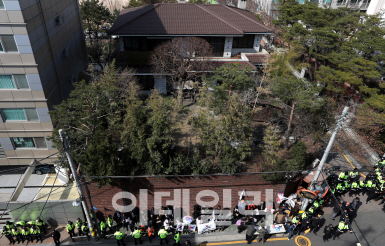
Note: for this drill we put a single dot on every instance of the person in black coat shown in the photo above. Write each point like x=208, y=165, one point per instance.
x=315, y=225
x=56, y=237
x=328, y=232
x=304, y=225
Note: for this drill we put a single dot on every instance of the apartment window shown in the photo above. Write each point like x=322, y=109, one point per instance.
x=247, y=41
x=16, y=81
x=7, y=44
x=19, y=114
x=28, y=142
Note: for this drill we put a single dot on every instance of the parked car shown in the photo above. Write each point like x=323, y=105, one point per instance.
x=44, y=169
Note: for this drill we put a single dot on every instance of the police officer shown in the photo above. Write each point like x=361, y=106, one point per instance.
x=41, y=224
x=340, y=189
x=177, y=239
x=110, y=223
x=37, y=233
x=17, y=234
x=9, y=225
x=297, y=222
x=353, y=175
x=362, y=187
x=79, y=224
x=137, y=234
x=119, y=238
x=56, y=237
x=20, y=224
x=26, y=234
x=103, y=228
x=312, y=210
x=85, y=230
x=341, y=228
x=328, y=231
x=342, y=176
x=71, y=229
x=163, y=235
x=305, y=224
x=8, y=234
x=353, y=188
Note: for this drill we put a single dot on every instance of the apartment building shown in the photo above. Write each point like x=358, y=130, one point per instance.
x=42, y=51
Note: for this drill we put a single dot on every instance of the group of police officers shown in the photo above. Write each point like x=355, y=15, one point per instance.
x=373, y=186
x=24, y=231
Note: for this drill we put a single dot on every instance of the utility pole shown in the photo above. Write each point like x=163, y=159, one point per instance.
x=326, y=154
x=75, y=175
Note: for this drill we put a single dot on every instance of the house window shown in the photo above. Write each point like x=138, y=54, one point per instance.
x=217, y=44
x=19, y=114
x=7, y=44
x=18, y=81
x=28, y=142
x=247, y=41
x=135, y=43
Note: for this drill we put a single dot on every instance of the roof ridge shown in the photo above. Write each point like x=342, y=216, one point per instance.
x=218, y=17
x=260, y=24
x=145, y=12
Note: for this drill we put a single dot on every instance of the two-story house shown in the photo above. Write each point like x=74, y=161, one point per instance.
x=234, y=34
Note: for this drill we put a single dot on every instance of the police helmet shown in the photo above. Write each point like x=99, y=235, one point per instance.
x=69, y=222
x=78, y=219
x=38, y=218
x=355, y=169
x=7, y=222
x=5, y=228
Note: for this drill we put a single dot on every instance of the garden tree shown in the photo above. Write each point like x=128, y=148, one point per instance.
x=298, y=157
x=93, y=15
x=369, y=39
x=181, y=164
x=134, y=4
x=270, y=149
x=227, y=80
x=296, y=95
x=147, y=131
x=370, y=123
x=182, y=59
x=100, y=53
x=227, y=134
x=347, y=43
x=91, y=117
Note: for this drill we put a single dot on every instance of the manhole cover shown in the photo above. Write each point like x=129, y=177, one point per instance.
x=302, y=241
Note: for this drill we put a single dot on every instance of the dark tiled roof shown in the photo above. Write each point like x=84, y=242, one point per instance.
x=257, y=59
x=186, y=19
x=243, y=19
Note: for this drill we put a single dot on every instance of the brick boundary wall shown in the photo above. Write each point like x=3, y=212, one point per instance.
x=102, y=197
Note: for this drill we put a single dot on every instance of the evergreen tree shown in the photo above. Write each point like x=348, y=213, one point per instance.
x=94, y=14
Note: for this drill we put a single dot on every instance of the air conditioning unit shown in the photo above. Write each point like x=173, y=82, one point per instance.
x=57, y=20
x=66, y=52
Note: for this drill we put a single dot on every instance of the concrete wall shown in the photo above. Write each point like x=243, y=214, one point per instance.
x=54, y=213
